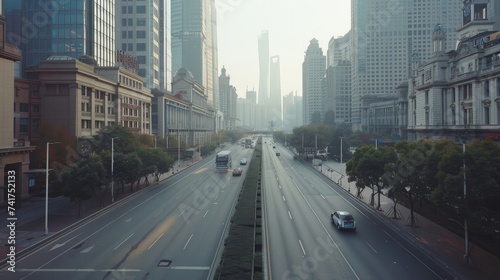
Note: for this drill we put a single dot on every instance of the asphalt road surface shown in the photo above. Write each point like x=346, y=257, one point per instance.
x=302, y=242
x=172, y=231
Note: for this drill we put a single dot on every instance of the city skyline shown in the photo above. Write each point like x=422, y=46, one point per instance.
x=289, y=36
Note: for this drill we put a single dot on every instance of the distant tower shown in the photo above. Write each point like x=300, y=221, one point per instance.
x=263, y=43
x=274, y=109
x=313, y=71
x=263, y=94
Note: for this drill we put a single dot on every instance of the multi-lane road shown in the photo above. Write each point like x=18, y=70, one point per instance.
x=303, y=244
x=171, y=231
x=176, y=230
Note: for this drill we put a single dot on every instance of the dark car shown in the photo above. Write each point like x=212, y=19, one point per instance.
x=237, y=171
x=343, y=220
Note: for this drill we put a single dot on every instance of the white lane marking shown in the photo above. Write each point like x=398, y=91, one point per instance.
x=371, y=247
x=64, y=243
x=290, y=215
x=322, y=196
x=284, y=198
x=205, y=214
x=304, y=251
x=181, y=213
x=411, y=253
x=87, y=249
x=159, y=212
x=128, y=220
x=178, y=197
x=123, y=241
x=279, y=186
x=216, y=197
x=190, y=267
x=188, y=241
x=155, y=241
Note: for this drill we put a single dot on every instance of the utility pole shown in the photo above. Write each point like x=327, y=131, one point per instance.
x=341, y=149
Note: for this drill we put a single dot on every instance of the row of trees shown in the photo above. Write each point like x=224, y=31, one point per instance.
x=133, y=159
x=83, y=166
x=461, y=181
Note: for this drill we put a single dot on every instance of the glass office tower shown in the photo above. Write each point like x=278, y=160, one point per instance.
x=71, y=28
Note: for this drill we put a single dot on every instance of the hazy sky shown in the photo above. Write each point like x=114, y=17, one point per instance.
x=291, y=25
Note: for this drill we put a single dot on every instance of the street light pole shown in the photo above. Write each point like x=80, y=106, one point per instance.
x=47, y=188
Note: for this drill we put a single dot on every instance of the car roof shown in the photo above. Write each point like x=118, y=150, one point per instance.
x=343, y=212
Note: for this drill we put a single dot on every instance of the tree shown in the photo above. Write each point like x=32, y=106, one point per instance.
x=367, y=168
x=407, y=174
x=82, y=182
x=154, y=161
x=482, y=173
x=329, y=118
x=316, y=118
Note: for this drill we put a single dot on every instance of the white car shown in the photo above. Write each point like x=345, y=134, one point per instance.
x=343, y=220
x=243, y=161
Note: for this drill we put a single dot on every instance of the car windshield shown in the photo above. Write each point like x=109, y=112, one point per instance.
x=347, y=217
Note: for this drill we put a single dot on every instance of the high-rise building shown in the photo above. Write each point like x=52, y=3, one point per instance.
x=338, y=80
x=386, y=35
x=145, y=34
x=263, y=93
x=228, y=101
x=263, y=44
x=73, y=28
x=313, y=71
x=274, y=108
x=194, y=42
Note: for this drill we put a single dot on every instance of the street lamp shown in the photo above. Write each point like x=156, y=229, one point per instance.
x=112, y=165
x=47, y=188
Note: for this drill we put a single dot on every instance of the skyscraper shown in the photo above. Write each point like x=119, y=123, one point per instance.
x=145, y=34
x=386, y=35
x=262, y=121
x=274, y=108
x=263, y=44
x=73, y=28
x=313, y=71
x=338, y=79
x=194, y=42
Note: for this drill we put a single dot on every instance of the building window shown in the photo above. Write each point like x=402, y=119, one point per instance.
x=141, y=22
x=141, y=46
x=23, y=125
x=86, y=124
x=487, y=88
x=426, y=97
x=141, y=9
x=498, y=86
x=35, y=124
x=141, y=34
x=35, y=109
x=486, y=115
x=24, y=107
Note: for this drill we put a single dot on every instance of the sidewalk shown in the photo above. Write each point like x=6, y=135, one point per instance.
x=30, y=223
x=433, y=238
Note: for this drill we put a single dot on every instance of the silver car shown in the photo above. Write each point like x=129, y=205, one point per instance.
x=343, y=220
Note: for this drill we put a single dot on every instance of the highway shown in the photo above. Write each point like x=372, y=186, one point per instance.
x=303, y=244
x=171, y=231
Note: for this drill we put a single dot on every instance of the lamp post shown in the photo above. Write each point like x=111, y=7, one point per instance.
x=47, y=188
x=112, y=166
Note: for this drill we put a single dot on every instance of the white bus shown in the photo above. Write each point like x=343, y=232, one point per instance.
x=223, y=161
